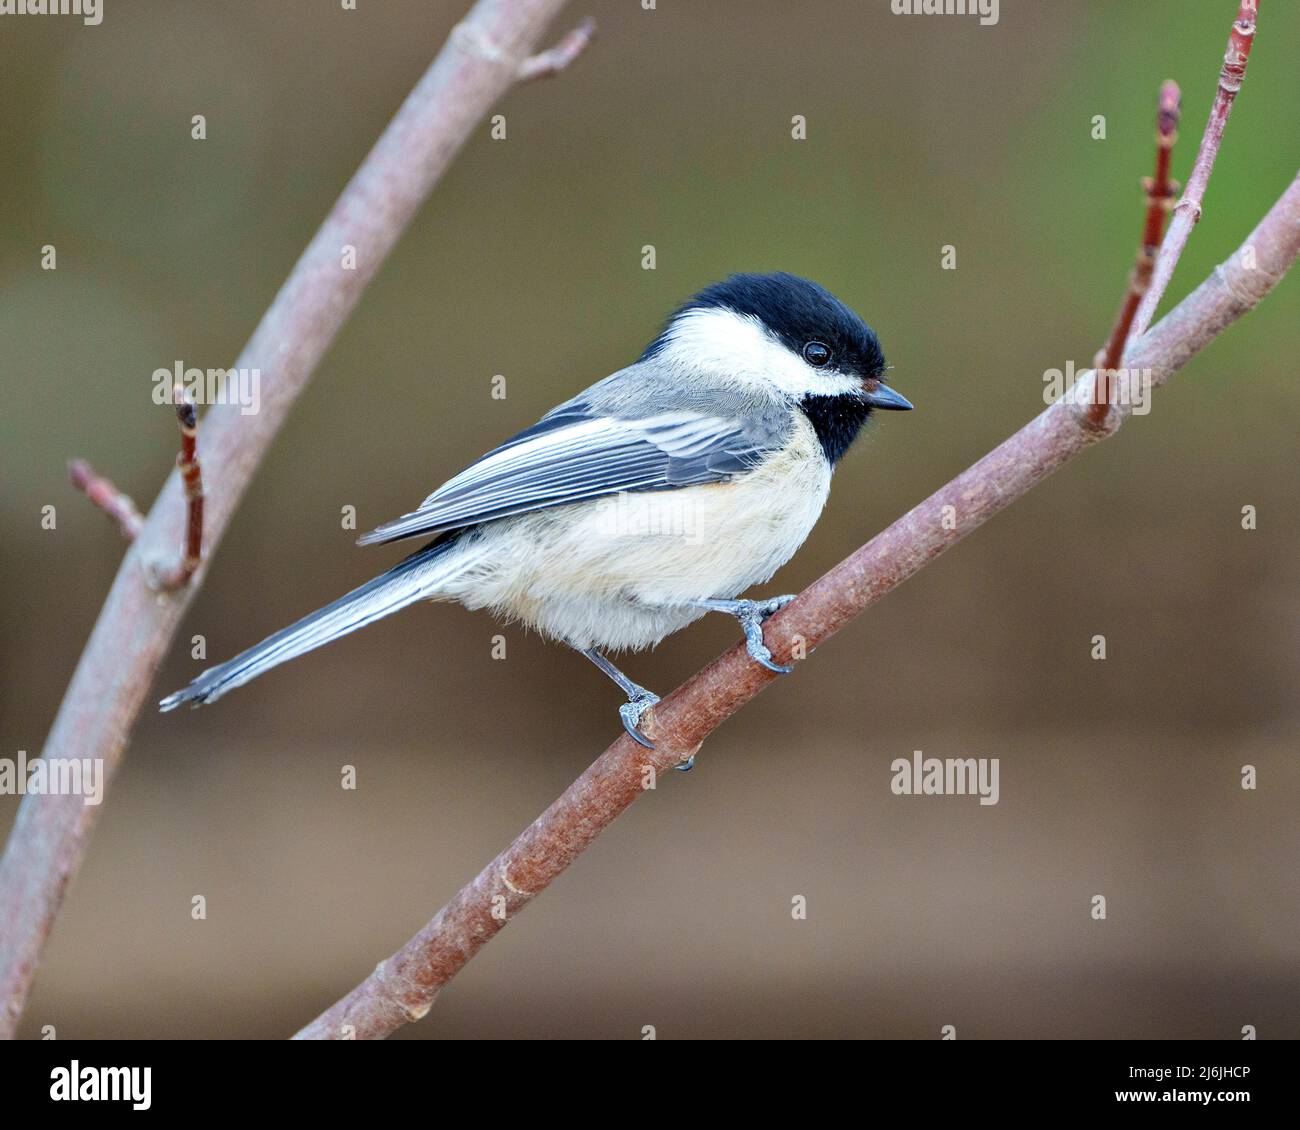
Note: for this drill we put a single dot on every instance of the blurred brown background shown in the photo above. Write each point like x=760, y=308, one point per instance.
x=1118, y=777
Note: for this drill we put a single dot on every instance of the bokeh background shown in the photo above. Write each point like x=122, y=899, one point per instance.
x=1119, y=777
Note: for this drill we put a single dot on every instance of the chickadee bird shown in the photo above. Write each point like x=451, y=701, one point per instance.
x=657, y=495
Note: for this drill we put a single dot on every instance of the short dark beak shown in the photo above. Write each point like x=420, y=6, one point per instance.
x=882, y=396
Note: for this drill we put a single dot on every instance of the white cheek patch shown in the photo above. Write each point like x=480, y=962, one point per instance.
x=826, y=382
x=737, y=346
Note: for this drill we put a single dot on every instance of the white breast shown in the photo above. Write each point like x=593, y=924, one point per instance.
x=613, y=573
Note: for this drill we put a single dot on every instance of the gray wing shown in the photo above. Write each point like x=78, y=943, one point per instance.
x=578, y=452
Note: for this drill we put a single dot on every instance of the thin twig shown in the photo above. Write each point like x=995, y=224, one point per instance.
x=403, y=987
x=192, y=476
x=555, y=59
x=104, y=494
x=187, y=461
x=1188, y=210
x=1159, y=191
x=477, y=65
x=122, y=509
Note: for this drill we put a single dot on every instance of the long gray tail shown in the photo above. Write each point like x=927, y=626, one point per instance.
x=413, y=579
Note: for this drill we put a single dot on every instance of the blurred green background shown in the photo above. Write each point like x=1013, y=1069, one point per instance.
x=1118, y=777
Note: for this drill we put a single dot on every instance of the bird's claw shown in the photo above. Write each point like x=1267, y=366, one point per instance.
x=632, y=710
x=772, y=606
x=751, y=614
x=763, y=657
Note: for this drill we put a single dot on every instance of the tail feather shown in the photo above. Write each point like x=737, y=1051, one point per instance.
x=414, y=578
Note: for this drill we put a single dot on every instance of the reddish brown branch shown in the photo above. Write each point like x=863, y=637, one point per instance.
x=48, y=841
x=1188, y=210
x=192, y=476
x=1159, y=191
x=555, y=59
x=403, y=987
x=104, y=494
x=187, y=462
x=119, y=506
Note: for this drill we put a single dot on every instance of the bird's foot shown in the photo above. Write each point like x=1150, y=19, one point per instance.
x=751, y=614
x=638, y=702
x=772, y=605
x=631, y=712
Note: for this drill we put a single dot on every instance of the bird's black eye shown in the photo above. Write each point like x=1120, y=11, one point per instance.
x=817, y=354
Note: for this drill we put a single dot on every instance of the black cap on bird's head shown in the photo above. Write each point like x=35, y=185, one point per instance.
x=830, y=360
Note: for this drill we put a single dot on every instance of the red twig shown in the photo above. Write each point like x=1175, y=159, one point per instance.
x=192, y=481
x=104, y=494
x=403, y=987
x=119, y=506
x=1160, y=193
x=555, y=59
x=1188, y=210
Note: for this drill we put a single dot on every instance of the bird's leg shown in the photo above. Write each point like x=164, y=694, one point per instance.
x=751, y=614
x=639, y=700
